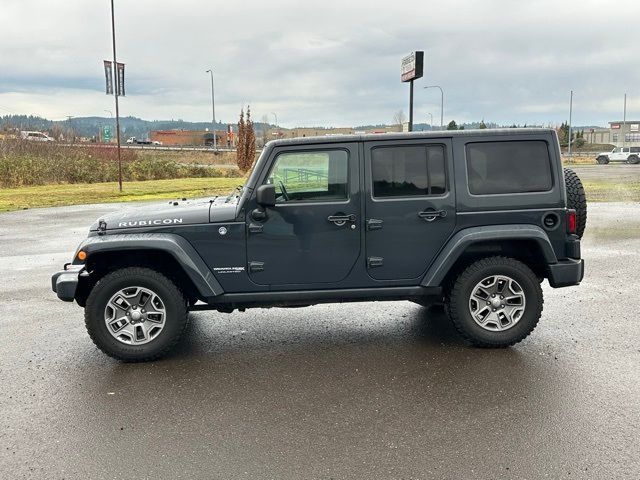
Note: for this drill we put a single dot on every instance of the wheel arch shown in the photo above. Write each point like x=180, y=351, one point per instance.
x=168, y=254
x=527, y=243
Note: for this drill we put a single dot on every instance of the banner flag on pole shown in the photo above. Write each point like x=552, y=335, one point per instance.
x=108, y=73
x=120, y=79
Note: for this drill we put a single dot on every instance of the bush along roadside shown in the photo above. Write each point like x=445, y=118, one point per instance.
x=28, y=164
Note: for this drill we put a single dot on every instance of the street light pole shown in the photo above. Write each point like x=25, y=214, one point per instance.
x=115, y=66
x=570, y=115
x=624, y=120
x=441, y=103
x=213, y=111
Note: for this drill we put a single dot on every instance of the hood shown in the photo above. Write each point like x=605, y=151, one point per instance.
x=170, y=213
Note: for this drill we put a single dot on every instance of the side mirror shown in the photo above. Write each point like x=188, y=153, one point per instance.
x=266, y=195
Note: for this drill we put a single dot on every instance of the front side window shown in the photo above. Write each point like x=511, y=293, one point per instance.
x=508, y=167
x=416, y=170
x=311, y=176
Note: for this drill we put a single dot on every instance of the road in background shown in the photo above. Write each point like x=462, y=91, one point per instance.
x=373, y=390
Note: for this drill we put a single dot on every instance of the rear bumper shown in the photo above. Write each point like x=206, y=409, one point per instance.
x=65, y=282
x=566, y=273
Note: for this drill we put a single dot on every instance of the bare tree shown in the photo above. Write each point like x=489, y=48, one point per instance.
x=246, y=147
x=240, y=144
x=399, y=117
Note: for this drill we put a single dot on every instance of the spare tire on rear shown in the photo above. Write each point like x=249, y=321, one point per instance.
x=576, y=199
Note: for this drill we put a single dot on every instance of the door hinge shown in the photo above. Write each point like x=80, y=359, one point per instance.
x=374, y=224
x=255, y=228
x=374, y=262
x=256, y=267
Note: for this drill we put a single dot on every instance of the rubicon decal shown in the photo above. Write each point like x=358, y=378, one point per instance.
x=149, y=223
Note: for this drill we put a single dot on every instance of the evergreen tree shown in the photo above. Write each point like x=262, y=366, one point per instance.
x=452, y=125
x=482, y=125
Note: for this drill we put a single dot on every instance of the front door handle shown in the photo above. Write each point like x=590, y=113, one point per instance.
x=431, y=215
x=340, y=219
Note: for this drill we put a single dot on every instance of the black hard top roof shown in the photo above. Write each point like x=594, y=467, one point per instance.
x=408, y=136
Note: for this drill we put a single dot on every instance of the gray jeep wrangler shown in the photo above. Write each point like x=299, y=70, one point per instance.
x=474, y=220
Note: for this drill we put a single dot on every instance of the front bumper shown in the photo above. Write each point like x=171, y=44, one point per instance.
x=65, y=282
x=566, y=273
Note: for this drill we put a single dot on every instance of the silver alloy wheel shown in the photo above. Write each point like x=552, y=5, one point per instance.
x=135, y=315
x=497, y=303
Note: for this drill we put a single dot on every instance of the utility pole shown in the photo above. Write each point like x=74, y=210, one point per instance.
x=213, y=112
x=570, y=113
x=441, y=104
x=115, y=66
x=624, y=120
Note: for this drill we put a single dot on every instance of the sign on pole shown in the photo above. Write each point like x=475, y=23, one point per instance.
x=411, y=69
x=412, y=66
x=106, y=134
x=120, y=79
x=108, y=74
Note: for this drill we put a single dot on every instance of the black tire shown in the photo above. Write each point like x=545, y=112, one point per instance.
x=174, y=302
x=602, y=160
x=460, y=294
x=633, y=160
x=576, y=199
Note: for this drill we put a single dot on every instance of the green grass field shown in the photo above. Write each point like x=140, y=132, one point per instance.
x=84, y=193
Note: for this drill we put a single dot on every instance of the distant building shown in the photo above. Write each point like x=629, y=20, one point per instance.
x=199, y=138
x=618, y=133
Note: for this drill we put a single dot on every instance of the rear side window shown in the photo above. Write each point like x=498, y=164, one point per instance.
x=408, y=171
x=508, y=167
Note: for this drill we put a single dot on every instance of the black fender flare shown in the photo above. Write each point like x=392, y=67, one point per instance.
x=457, y=244
x=175, y=245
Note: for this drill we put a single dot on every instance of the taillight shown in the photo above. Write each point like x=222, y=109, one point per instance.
x=572, y=221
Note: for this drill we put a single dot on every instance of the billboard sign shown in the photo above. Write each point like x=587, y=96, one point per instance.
x=108, y=74
x=412, y=66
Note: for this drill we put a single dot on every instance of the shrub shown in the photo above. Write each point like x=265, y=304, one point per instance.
x=24, y=163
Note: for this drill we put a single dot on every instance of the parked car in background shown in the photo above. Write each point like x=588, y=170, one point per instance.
x=620, y=154
x=36, y=136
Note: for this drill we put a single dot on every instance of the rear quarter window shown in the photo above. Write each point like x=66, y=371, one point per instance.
x=508, y=167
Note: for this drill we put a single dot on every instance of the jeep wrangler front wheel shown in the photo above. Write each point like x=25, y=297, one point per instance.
x=135, y=314
x=495, y=302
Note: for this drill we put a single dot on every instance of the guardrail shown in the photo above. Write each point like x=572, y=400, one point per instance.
x=178, y=148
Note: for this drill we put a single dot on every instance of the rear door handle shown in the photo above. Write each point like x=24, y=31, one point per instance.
x=431, y=215
x=340, y=220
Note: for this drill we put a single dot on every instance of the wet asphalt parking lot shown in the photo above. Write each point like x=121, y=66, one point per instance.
x=373, y=390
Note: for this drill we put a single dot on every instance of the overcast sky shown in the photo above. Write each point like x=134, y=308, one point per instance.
x=334, y=64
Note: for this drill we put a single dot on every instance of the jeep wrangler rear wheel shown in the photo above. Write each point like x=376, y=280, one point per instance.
x=495, y=302
x=135, y=314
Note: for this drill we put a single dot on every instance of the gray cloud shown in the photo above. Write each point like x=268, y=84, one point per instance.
x=333, y=64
